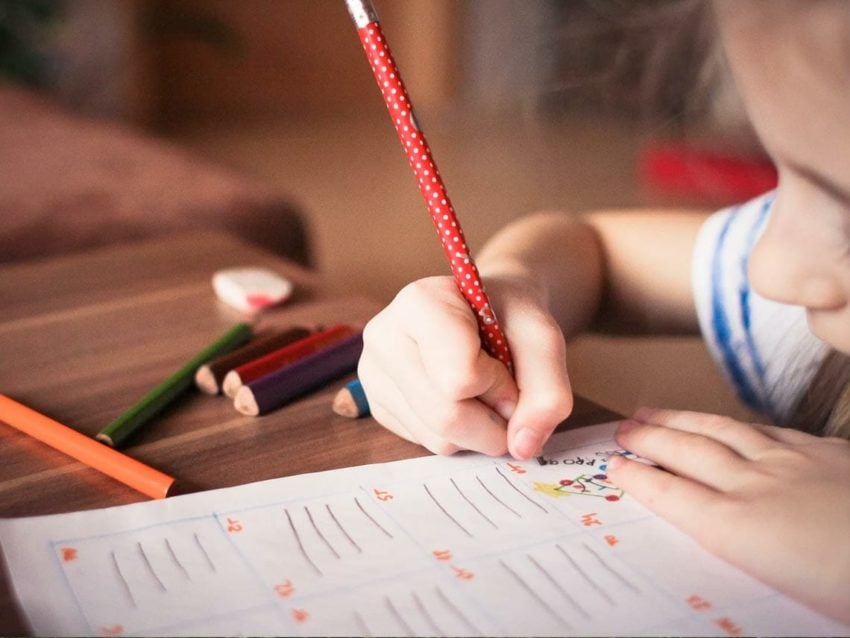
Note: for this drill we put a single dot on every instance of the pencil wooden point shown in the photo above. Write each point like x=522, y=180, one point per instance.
x=205, y=380
x=344, y=405
x=351, y=401
x=245, y=402
x=231, y=384
x=104, y=438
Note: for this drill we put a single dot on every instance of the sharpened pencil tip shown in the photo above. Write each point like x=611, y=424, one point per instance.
x=245, y=402
x=344, y=405
x=105, y=438
x=205, y=380
x=231, y=384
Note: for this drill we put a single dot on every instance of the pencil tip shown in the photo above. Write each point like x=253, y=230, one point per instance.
x=205, y=380
x=344, y=404
x=245, y=402
x=231, y=384
x=105, y=438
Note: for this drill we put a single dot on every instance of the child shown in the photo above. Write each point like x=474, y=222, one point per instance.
x=768, y=283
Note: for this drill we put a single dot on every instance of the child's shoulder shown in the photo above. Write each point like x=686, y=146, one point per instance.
x=739, y=223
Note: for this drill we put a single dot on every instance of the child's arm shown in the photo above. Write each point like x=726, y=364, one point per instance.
x=423, y=369
x=772, y=501
x=618, y=270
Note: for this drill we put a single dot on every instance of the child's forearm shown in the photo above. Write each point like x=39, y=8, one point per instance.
x=553, y=253
x=615, y=271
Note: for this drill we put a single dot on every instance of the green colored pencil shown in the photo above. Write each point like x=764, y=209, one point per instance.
x=117, y=432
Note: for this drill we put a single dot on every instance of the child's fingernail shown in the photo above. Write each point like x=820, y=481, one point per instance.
x=627, y=425
x=526, y=443
x=615, y=461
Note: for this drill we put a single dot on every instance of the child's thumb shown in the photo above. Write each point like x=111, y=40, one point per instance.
x=545, y=396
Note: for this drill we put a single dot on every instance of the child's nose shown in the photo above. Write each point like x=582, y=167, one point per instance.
x=789, y=270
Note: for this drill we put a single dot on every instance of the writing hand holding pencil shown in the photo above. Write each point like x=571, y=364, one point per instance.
x=436, y=366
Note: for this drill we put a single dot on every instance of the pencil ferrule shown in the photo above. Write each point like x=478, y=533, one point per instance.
x=362, y=12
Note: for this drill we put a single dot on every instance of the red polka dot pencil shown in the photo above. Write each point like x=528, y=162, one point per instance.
x=430, y=183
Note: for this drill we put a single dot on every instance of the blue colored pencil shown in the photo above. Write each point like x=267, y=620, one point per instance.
x=351, y=401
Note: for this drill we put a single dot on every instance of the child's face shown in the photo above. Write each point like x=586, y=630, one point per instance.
x=791, y=61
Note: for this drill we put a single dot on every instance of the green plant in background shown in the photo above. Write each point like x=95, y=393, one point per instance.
x=25, y=26
x=28, y=29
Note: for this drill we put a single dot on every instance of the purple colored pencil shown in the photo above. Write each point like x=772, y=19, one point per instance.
x=290, y=382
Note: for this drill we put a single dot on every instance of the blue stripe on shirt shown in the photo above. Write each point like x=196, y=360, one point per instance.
x=744, y=294
x=720, y=321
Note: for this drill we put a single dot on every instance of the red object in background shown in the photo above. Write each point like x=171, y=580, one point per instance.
x=680, y=169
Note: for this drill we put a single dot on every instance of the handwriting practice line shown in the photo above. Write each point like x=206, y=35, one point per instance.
x=520, y=492
x=342, y=529
x=320, y=534
x=522, y=583
x=301, y=544
x=446, y=512
x=473, y=505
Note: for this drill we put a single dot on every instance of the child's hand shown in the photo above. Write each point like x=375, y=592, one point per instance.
x=429, y=381
x=772, y=501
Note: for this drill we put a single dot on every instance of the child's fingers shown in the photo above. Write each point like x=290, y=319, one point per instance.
x=688, y=505
x=789, y=436
x=495, y=387
x=545, y=397
x=684, y=453
x=391, y=410
x=467, y=423
x=440, y=322
x=386, y=403
x=741, y=437
x=416, y=401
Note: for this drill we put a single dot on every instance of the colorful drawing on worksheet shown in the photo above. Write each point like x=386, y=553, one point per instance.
x=582, y=485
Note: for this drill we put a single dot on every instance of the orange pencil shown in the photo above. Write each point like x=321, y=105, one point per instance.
x=85, y=449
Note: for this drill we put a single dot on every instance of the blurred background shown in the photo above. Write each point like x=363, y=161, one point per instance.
x=527, y=105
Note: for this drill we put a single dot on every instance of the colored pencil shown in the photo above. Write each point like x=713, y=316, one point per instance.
x=119, y=466
x=351, y=401
x=258, y=368
x=210, y=376
x=122, y=428
x=278, y=388
x=428, y=177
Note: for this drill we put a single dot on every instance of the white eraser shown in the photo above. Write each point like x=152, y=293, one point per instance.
x=251, y=289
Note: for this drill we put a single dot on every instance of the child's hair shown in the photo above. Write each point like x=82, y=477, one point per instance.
x=825, y=407
x=658, y=59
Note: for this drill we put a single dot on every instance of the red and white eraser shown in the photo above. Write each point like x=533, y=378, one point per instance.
x=251, y=289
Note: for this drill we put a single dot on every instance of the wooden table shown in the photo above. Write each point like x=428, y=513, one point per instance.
x=84, y=337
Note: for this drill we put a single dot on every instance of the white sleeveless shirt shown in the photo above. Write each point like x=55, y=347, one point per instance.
x=764, y=348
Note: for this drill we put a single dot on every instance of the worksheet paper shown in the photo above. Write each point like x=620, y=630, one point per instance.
x=460, y=546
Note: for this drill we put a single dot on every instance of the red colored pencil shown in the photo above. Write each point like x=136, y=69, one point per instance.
x=260, y=367
x=430, y=183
